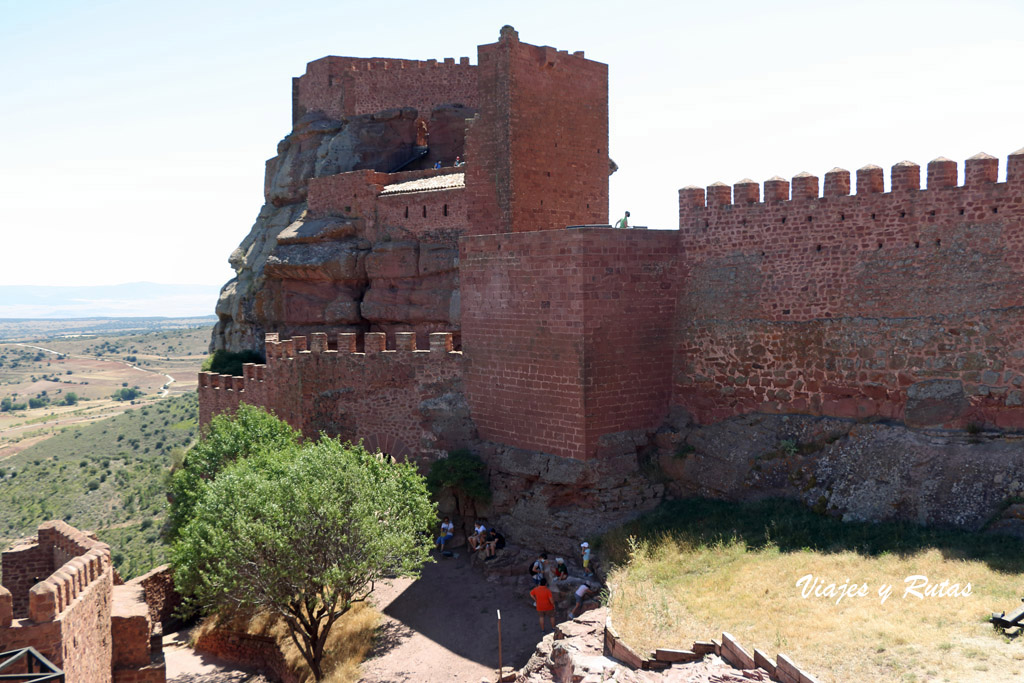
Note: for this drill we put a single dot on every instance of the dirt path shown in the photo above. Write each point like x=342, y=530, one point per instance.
x=163, y=389
x=184, y=665
x=443, y=627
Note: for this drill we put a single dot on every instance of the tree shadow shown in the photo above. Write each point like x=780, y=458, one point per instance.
x=792, y=527
x=455, y=606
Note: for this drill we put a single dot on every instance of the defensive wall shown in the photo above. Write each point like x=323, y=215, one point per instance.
x=568, y=335
x=904, y=304
x=379, y=396
x=348, y=86
x=59, y=596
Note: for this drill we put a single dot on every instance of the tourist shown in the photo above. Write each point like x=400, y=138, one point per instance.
x=537, y=568
x=447, y=533
x=585, y=548
x=495, y=542
x=545, y=602
x=437, y=164
x=476, y=541
x=582, y=593
x=561, y=570
x=623, y=222
x=459, y=161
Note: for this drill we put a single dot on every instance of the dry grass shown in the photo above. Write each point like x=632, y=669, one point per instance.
x=675, y=590
x=348, y=644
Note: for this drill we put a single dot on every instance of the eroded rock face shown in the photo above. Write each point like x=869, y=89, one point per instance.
x=296, y=274
x=859, y=472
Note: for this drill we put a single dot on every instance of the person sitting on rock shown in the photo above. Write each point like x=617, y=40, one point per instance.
x=476, y=541
x=561, y=570
x=495, y=542
x=447, y=533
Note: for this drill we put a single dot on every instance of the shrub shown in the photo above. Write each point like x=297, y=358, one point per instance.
x=463, y=473
x=230, y=362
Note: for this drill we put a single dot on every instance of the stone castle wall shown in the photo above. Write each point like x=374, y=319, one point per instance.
x=382, y=397
x=902, y=305
x=551, y=366
x=349, y=86
x=58, y=596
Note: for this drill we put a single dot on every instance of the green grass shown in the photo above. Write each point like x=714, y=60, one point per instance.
x=108, y=477
x=790, y=526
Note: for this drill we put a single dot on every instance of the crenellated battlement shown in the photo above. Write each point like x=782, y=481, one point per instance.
x=315, y=387
x=69, y=559
x=980, y=172
x=349, y=86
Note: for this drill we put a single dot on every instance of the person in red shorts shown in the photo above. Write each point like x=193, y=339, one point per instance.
x=545, y=603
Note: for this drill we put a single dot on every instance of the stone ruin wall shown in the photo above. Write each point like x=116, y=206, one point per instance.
x=904, y=305
x=59, y=596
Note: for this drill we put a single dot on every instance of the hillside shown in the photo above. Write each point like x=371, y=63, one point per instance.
x=108, y=476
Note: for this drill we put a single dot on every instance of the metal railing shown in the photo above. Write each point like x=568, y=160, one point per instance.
x=37, y=667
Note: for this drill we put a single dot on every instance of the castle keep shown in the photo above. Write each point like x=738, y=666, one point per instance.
x=489, y=305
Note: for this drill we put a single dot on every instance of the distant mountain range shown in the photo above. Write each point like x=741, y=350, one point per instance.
x=142, y=299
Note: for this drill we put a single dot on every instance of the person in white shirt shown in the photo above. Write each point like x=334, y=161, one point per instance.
x=447, y=533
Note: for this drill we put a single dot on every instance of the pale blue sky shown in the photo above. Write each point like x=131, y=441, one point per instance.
x=133, y=134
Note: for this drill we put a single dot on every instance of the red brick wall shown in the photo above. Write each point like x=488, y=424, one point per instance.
x=441, y=212
x=348, y=86
x=559, y=139
x=372, y=396
x=567, y=335
x=539, y=148
x=836, y=305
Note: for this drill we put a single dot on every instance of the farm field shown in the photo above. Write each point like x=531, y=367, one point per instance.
x=696, y=568
x=48, y=384
x=107, y=476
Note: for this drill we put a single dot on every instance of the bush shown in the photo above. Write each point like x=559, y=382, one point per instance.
x=463, y=473
x=250, y=431
x=230, y=362
x=127, y=394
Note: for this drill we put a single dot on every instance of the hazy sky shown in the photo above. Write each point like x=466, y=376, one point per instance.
x=134, y=134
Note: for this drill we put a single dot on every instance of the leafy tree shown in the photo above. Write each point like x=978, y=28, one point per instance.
x=304, y=533
x=249, y=432
x=464, y=474
x=70, y=398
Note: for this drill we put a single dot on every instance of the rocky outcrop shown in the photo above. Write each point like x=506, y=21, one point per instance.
x=298, y=274
x=858, y=471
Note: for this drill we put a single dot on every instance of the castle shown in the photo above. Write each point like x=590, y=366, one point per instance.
x=490, y=305
x=62, y=596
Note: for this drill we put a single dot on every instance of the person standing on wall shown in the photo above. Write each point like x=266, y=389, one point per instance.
x=623, y=222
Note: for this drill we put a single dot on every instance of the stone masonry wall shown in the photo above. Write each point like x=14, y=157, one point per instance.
x=538, y=150
x=69, y=611
x=904, y=305
x=568, y=335
x=384, y=397
x=348, y=86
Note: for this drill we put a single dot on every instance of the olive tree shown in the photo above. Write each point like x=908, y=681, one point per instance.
x=228, y=437
x=304, y=532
